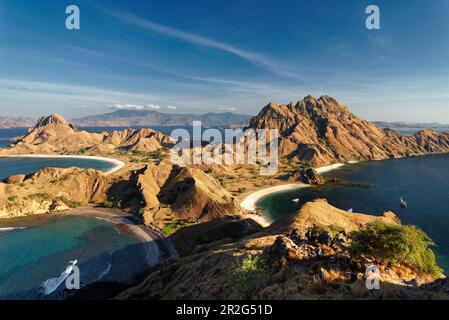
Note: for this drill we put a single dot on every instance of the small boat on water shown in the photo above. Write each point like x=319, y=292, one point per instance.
x=403, y=203
x=296, y=200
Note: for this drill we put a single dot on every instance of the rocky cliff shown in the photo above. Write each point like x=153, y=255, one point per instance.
x=323, y=131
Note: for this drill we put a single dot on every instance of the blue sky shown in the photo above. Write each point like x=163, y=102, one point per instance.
x=215, y=56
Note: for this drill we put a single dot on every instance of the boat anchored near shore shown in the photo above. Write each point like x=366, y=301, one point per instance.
x=403, y=203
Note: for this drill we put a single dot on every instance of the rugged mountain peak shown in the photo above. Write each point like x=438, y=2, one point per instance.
x=52, y=119
x=323, y=131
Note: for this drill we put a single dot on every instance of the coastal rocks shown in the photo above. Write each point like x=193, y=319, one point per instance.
x=16, y=179
x=309, y=176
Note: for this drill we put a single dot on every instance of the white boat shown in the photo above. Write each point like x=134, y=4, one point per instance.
x=52, y=284
x=403, y=203
x=295, y=200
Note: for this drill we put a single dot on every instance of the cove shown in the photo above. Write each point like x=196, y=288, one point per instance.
x=423, y=181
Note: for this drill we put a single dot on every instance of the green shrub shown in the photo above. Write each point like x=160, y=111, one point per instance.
x=111, y=203
x=318, y=229
x=242, y=190
x=172, y=227
x=246, y=275
x=12, y=199
x=69, y=203
x=408, y=245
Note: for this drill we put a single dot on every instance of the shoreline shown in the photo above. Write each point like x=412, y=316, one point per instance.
x=250, y=201
x=154, y=242
x=117, y=163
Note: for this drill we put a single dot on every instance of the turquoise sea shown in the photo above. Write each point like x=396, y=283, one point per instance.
x=35, y=249
x=10, y=166
x=43, y=249
x=422, y=181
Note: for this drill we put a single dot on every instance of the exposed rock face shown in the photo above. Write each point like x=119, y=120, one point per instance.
x=323, y=131
x=191, y=194
x=289, y=266
x=309, y=176
x=54, y=134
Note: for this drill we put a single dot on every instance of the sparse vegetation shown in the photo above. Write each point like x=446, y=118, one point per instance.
x=12, y=200
x=40, y=196
x=242, y=190
x=317, y=230
x=172, y=227
x=246, y=275
x=69, y=203
x=408, y=245
x=111, y=203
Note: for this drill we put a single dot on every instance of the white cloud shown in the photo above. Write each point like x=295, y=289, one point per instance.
x=227, y=109
x=171, y=107
x=129, y=106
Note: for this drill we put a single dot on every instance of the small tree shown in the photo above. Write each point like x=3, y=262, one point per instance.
x=408, y=245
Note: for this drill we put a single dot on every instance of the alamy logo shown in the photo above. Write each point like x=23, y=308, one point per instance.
x=372, y=274
x=73, y=280
x=72, y=22
x=254, y=147
x=373, y=20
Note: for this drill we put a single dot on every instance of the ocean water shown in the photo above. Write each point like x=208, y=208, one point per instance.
x=41, y=250
x=422, y=181
x=11, y=166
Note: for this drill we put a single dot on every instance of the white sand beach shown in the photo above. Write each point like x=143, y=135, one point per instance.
x=249, y=203
x=117, y=163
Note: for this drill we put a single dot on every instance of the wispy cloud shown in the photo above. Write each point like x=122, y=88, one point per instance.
x=227, y=109
x=129, y=106
x=252, y=57
x=171, y=107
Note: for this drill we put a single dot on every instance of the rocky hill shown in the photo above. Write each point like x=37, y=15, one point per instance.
x=323, y=131
x=54, y=134
x=284, y=263
x=159, y=192
x=154, y=118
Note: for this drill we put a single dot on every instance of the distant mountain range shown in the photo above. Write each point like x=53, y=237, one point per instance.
x=125, y=118
x=13, y=122
x=131, y=118
x=411, y=125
